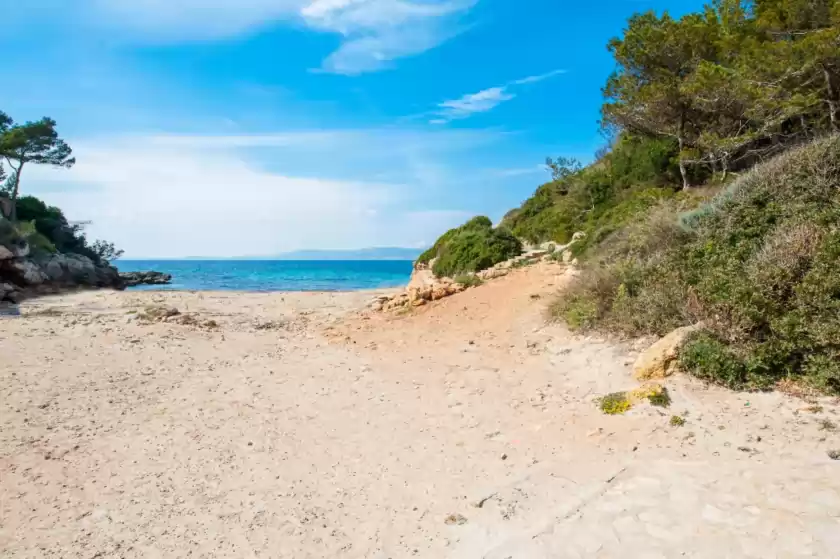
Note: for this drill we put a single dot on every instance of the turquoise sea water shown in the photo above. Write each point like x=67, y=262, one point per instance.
x=274, y=275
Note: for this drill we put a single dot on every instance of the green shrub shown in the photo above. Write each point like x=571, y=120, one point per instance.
x=760, y=264
x=616, y=403
x=473, y=247
x=660, y=399
x=677, y=421
x=48, y=230
x=468, y=280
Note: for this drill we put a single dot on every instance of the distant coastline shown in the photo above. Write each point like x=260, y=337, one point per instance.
x=362, y=254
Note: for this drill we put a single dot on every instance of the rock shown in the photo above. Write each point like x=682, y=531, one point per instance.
x=656, y=361
x=27, y=272
x=145, y=278
x=9, y=292
x=5, y=253
x=493, y=273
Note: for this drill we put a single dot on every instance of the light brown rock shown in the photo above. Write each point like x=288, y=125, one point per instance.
x=656, y=361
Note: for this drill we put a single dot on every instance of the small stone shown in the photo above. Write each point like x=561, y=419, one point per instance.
x=455, y=519
x=834, y=454
x=504, y=456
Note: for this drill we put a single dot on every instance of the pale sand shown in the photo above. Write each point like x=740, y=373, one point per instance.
x=339, y=434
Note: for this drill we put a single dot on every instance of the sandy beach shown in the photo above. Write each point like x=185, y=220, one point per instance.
x=301, y=425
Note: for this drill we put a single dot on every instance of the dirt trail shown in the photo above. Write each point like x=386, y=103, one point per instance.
x=300, y=428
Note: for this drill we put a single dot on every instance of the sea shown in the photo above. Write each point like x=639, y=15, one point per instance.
x=274, y=275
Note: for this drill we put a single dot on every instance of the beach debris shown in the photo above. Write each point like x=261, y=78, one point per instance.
x=827, y=425
x=174, y=316
x=158, y=314
x=271, y=325
x=834, y=454
x=455, y=519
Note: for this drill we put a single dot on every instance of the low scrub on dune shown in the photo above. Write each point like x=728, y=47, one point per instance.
x=472, y=247
x=759, y=264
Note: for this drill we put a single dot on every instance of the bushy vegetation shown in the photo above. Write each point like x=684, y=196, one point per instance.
x=470, y=248
x=46, y=230
x=759, y=264
x=31, y=222
x=468, y=280
x=620, y=187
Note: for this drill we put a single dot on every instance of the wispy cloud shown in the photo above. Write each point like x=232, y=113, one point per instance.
x=485, y=100
x=166, y=195
x=375, y=32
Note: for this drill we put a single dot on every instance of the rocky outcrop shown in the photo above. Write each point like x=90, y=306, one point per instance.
x=424, y=287
x=132, y=279
x=657, y=362
x=418, y=295
x=22, y=274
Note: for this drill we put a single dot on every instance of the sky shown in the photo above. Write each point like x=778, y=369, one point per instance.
x=255, y=127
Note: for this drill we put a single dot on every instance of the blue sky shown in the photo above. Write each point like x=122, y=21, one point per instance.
x=230, y=127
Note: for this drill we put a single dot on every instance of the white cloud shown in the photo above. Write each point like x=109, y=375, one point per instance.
x=480, y=102
x=538, y=78
x=190, y=196
x=375, y=32
x=485, y=100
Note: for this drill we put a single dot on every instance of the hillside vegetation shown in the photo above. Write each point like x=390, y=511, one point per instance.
x=759, y=265
x=474, y=246
x=717, y=197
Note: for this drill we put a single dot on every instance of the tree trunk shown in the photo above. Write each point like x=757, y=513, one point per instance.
x=681, y=142
x=683, y=170
x=832, y=101
x=15, y=191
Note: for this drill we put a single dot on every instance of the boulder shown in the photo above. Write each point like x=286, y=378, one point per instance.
x=26, y=272
x=8, y=292
x=19, y=251
x=656, y=362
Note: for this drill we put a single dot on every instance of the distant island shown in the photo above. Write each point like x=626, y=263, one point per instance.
x=374, y=253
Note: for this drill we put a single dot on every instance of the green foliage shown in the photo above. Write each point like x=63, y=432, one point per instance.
x=33, y=142
x=660, y=398
x=105, y=251
x=732, y=83
x=600, y=199
x=760, y=264
x=709, y=358
x=676, y=421
x=468, y=280
x=478, y=223
x=47, y=230
x=616, y=403
x=470, y=248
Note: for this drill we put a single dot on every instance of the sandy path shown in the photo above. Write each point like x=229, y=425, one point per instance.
x=298, y=430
